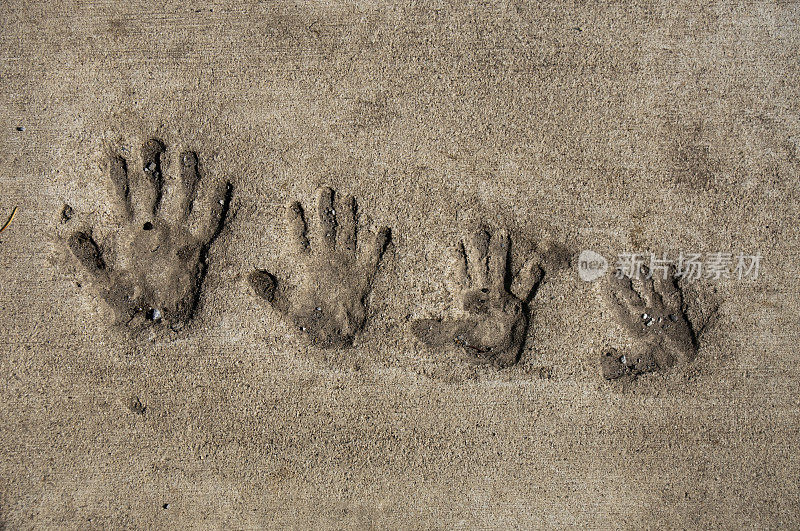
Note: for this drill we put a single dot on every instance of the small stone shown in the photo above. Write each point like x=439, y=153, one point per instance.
x=66, y=213
x=135, y=405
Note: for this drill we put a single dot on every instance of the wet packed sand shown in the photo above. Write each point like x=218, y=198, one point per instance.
x=268, y=352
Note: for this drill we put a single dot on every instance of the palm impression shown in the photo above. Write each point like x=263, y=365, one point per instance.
x=328, y=301
x=654, y=315
x=494, y=303
x=152, y=270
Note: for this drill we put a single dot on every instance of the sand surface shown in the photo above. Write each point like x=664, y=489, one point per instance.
x=610, y=126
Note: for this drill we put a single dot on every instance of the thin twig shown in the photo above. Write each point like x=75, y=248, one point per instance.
x=13, y=213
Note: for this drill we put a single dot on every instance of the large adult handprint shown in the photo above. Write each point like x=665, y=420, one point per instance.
x=495, y=307
x=152, y=270
x=328, y=304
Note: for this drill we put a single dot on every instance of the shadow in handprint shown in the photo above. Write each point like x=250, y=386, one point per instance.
x=328, y=304
x=152, y=272
x=494, y=303
x=655, y=315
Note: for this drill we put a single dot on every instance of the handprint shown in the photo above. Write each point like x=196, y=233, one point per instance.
x=655, y=316
x=495, y=321
x=152, y=271
x=328, y=304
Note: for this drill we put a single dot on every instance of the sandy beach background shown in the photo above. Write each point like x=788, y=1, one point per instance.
x=610, y=126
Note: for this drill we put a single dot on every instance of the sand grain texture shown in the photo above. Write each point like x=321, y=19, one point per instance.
x=611, y=126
